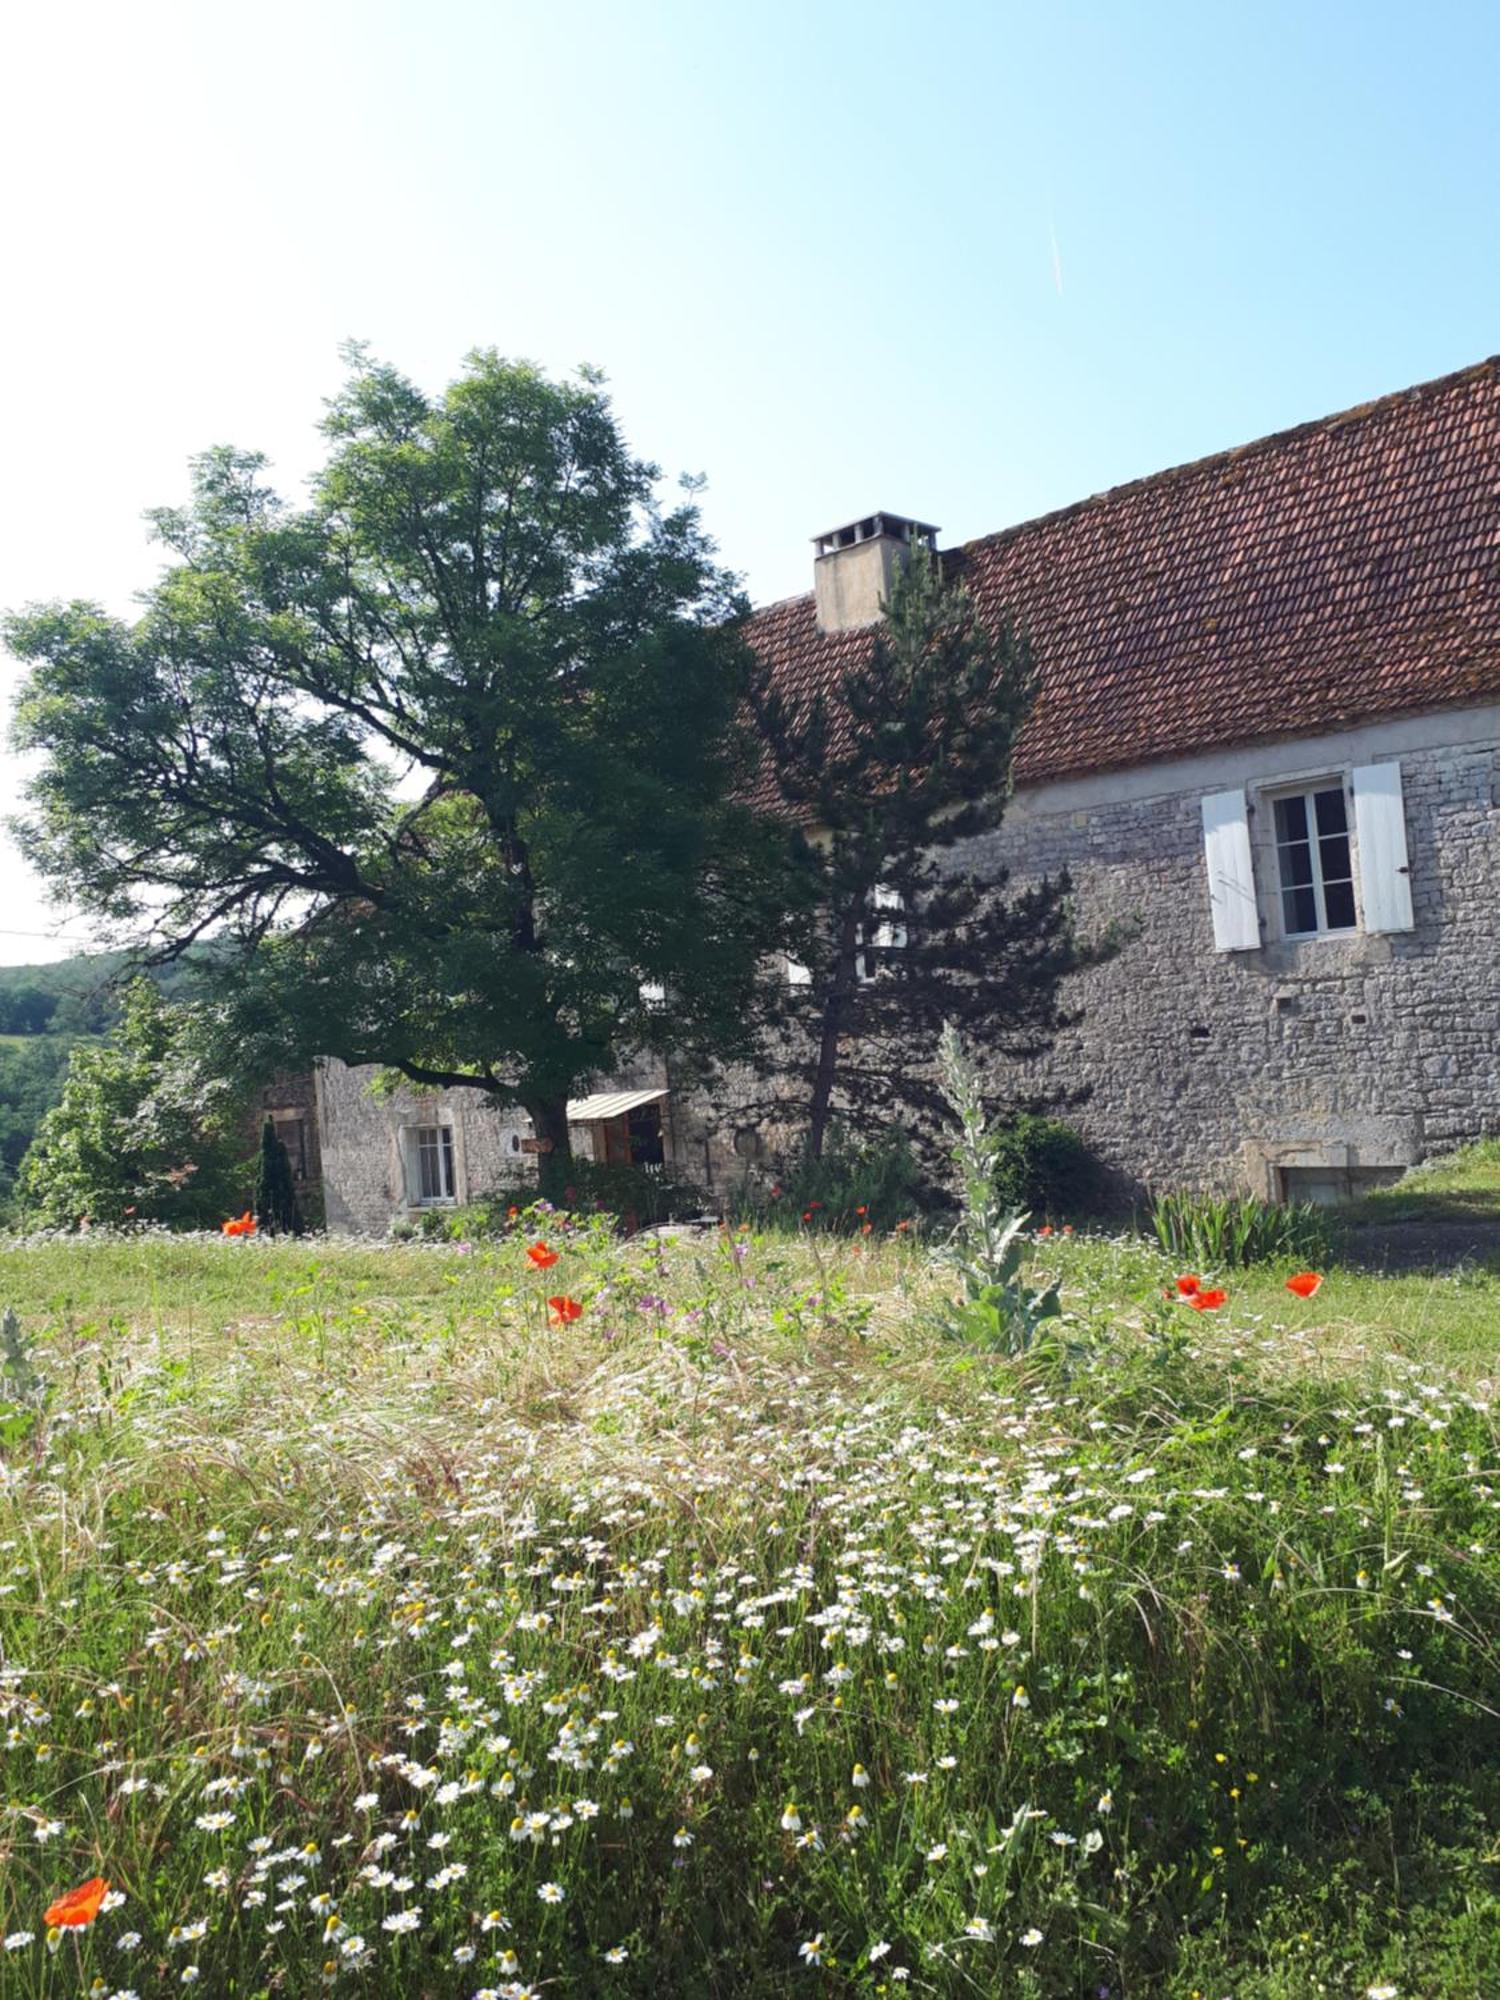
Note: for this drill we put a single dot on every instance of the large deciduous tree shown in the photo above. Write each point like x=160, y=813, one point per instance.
x=447, y=761
x=891, y=773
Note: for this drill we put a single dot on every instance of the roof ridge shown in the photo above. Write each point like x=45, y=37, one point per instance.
x=1356, y=413
x=1236, y=454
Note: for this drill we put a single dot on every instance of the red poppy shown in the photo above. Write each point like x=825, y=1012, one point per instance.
x=1207, y=1301
x=1045, y=1230
x=807, y=1215
x=511, y=1213
x=78, y=1907
x=903, y=1225
x=564, y=1309
x=1067, y=1229
x=541, y=1256
x=862, y=1210
x=1305, y=1283
x=865, y=1228
x=1189, y=1284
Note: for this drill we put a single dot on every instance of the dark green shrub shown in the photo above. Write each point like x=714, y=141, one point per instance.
x=1044, y=1169
x=857, y=1182
x=635, y=1198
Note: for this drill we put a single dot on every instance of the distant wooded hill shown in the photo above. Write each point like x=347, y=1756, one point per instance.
x=73, y=996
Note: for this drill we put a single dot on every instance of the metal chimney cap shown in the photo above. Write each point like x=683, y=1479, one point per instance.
x=871, y=527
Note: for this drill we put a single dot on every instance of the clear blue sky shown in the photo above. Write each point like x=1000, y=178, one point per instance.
x=969, y=262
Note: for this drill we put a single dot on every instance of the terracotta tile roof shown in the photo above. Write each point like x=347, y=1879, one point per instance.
x=1342, y=571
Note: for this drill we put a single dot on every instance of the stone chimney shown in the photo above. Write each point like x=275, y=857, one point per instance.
x=853, y=568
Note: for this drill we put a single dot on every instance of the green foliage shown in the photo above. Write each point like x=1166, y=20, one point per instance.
x=276, y=1209
x=860, y=1180
x=1226, y=1232
x=630, y=1195
x=906, y=759
x=31, y=1080
x=998, y=1310
x=483, y=589
x=139, y=1133
x=1044, y=1166
x=26, y=1009
x=24, y=1390
x=72, y=996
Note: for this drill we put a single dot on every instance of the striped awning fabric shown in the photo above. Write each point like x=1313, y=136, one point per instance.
x=609, y=1104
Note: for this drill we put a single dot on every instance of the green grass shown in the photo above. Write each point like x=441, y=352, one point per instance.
x=1462, y=1187
x=340, y=1586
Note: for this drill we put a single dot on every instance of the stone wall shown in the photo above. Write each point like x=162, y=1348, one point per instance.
x=366, y=1177
x=1216, y=1068
x=1341, y=1055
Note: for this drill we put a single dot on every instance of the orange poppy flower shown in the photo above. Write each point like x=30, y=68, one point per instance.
x=78, y=1907
x=564, y=1309
x=541, y=1256
x=240, y=1225
x=1305, y=1283
x=1188, y=1284
x=1207, y=1301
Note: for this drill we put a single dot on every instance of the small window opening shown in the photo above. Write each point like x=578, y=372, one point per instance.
x=887, y=933
x=434, y=1161
x=1314, y=862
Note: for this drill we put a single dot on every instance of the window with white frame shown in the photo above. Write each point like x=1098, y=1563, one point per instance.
x=430, y=1153
x=886, y=933
x=1304, y=859
x=1314, y=861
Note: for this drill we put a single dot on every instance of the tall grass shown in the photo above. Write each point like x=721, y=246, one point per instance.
x=733, y=1641
x=1229, y=1232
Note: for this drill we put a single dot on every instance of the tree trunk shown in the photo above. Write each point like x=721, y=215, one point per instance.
x=549, y=1120
x=835, y=1010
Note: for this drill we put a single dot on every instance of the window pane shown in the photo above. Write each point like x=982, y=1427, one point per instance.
x=434, y=1163
x=1296, y=863
x=1329, y=807
x=1338, y=901
x=1333, y=858
x=1291, y=818
x=1299, y=911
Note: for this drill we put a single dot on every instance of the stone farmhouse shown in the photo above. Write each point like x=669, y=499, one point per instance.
x=1268, y=739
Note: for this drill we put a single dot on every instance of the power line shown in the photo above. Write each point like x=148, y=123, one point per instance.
x=53, y=937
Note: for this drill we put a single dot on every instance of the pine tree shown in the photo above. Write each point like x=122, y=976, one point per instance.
x=276, y=1210
x=908, y=760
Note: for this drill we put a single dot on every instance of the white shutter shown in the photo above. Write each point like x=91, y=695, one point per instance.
x=1231, y=874
x=1380, y=842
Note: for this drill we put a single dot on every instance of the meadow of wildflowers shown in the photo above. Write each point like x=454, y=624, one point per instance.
x=386, y=1630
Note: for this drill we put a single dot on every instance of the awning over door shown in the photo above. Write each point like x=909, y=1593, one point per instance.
x=609, y=1104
